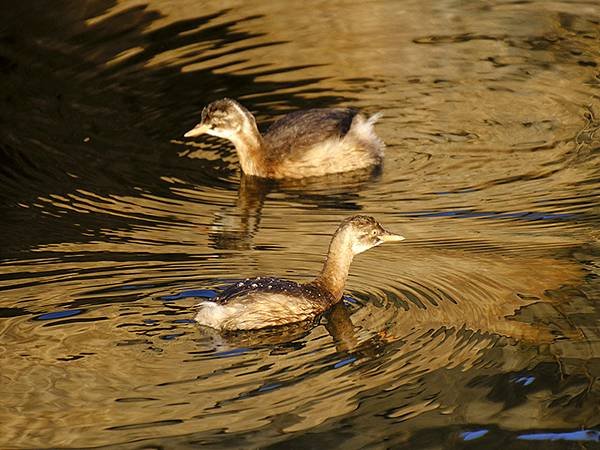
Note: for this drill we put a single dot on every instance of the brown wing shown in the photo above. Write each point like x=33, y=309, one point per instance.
x=267, y=284
x=298, y=131
x=274, y=286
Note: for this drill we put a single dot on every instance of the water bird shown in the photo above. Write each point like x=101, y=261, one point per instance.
x=269, y=302
x=307, y=143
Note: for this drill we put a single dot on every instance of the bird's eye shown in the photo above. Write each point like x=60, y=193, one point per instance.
x=374, y=233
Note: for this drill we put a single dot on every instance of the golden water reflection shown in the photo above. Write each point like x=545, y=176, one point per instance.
x=421, y=311
x=491, y=173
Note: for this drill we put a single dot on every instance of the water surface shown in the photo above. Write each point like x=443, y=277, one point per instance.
x=478, y=331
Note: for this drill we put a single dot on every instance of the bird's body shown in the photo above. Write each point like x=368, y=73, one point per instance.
x=264, y=302
x=267, y=302
x=302, y=144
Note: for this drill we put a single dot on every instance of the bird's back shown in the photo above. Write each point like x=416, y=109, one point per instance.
x=320, y=141
x=266, y=286
x=300, y=130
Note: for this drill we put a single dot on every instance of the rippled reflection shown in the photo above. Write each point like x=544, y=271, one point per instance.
x=481, y=328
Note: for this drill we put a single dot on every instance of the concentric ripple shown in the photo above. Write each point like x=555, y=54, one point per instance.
x=481, y=327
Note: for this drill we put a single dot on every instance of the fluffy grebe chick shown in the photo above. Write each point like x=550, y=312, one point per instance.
x=267, y=302
x=307, y=143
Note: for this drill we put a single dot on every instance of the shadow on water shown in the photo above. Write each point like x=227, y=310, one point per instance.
x=87, y=110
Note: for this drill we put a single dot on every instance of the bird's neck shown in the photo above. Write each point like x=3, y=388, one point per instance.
x=335, y=270
x=249, y=146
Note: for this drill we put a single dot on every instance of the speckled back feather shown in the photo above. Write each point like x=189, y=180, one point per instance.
x=273, y=286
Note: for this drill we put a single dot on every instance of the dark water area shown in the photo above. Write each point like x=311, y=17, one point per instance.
x=481, y=330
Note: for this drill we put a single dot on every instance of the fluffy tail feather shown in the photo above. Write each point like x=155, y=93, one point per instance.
x=363, y=131
x=375, y=117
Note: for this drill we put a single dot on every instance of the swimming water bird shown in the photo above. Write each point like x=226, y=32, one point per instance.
x=268, y=302
x=301, y=144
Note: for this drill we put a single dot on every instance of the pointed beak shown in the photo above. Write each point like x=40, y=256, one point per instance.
x=391, y=237
x=196, y=131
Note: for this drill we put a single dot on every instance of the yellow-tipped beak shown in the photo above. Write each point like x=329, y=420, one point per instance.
x=391, y=237
x=196, y=131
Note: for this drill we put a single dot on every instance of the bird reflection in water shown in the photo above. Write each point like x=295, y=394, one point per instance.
x=234, y=227
x=472, y=305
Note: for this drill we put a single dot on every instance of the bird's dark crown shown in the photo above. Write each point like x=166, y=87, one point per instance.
x=222, y=109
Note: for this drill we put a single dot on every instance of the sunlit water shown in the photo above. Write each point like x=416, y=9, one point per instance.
x=480, y=330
